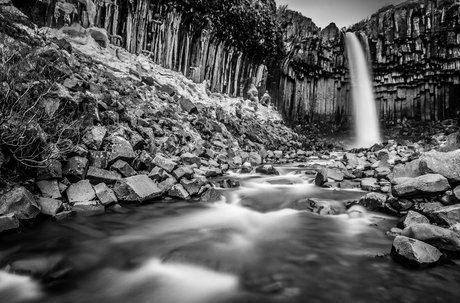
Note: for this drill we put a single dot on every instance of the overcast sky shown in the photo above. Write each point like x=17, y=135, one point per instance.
x=341, y=12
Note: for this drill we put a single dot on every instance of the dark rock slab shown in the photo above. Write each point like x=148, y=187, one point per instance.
x=321, y=177
x=119, y=148
x=267, y=169
x=52, y=170
x=75, y=168
x=94, y=137
x=123, y=168
x=373, y=201
x=98, y=158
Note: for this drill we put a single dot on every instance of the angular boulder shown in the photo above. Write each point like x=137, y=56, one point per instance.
x=178, y=191
x=123, y=168
x=52, y=170
x=20, y=202
x=441, y=238
x=447, y=215
x=49, y=206
x=369, y=184
x=138, y=188
x=414, y=253
x=80, y=191
x=321, y=177
x=105, y=194
x=189, y=158
x=267, y=169
x=373, y=201
x=167, y=164
x=120, y=149
x=49, y=188
x=445, y=164
x=424, y=185
x=75, y=168
x=94, y=137
x=191, y=186
x=410, y=169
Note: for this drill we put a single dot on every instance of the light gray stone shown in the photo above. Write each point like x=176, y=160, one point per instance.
x=413, y=252
x=430, y=184
x=80, y=191
x=138, y=188
x=439, y=237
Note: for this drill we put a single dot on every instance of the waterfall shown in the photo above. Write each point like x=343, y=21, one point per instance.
x=366, y=119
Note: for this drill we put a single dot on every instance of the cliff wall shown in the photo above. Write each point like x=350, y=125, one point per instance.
x=179, y=35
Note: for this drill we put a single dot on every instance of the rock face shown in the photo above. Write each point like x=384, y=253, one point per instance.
x=415, y=253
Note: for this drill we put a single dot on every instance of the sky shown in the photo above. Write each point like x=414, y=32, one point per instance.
x=341, y=12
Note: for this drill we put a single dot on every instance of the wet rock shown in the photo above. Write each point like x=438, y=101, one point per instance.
x=94, y=137
x=191, y=186
x=98, y=175
x=335, y=175
x=321, y=177
x=183, y=172
x=415, y=253
x=211, y=195
x=75, y=168
x=105, y=195
x=88, y=207
x=373, y=201
x=20, y=202
x=412, y=218
x=158, y=174
x=178, y=191
x=445, y=164
x=63, y=215
x=430, y=184
x=353, y=161
x=370, y=184
x=211, y=171
x=267, y=169
x=49, y=206
x=393, y=232
x=123, y=168
x=119, y=149
x=255, y=159
x=143, y=161
x=441, y=238
x=138, y=188
x=447, y=215
x=381, y=172
x=49, y=188
x=167, y=164
x=80, y=191
x=37, y=266
x=8, y=222
x=53, y=170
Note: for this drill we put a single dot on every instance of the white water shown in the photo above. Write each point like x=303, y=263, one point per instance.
x=366, y=119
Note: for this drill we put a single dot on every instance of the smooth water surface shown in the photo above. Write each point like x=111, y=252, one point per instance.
x=265, y=251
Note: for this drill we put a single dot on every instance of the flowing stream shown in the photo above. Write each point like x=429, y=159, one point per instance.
x=271, y=240
x=366, y=119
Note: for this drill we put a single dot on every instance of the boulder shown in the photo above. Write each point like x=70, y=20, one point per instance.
x=167, y=184
x=430, y=184
x=447, y=215
x=123, y=168
x=178, y=191
x=410, y=169
x=191, y=186
x=183, y=171
x=188, y=106
x=167, y=164
x=94, y=137
x=321, y=177
x=414, y=253
x=52, y=170
x=427, y=209
x=138, y=188
x=105, y=195
x=267, y=169
x=373, y=201
x=98, y=175
x=75, y=168
x=98, y=158
x=8, y=222
x=20, y=202
x=445, y=164
x=80, y=191
x=211, y=195
x=49, y=206
x=119, y=149
x=49, y=188
x=381, y=172
x=412, y=218
x=370, y=184
x=441, y=238
x=189, y=158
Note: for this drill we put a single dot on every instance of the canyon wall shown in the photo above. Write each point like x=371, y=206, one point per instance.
x=166, y=30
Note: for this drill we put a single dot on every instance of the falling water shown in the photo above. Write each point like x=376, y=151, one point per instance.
x=366, y=119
